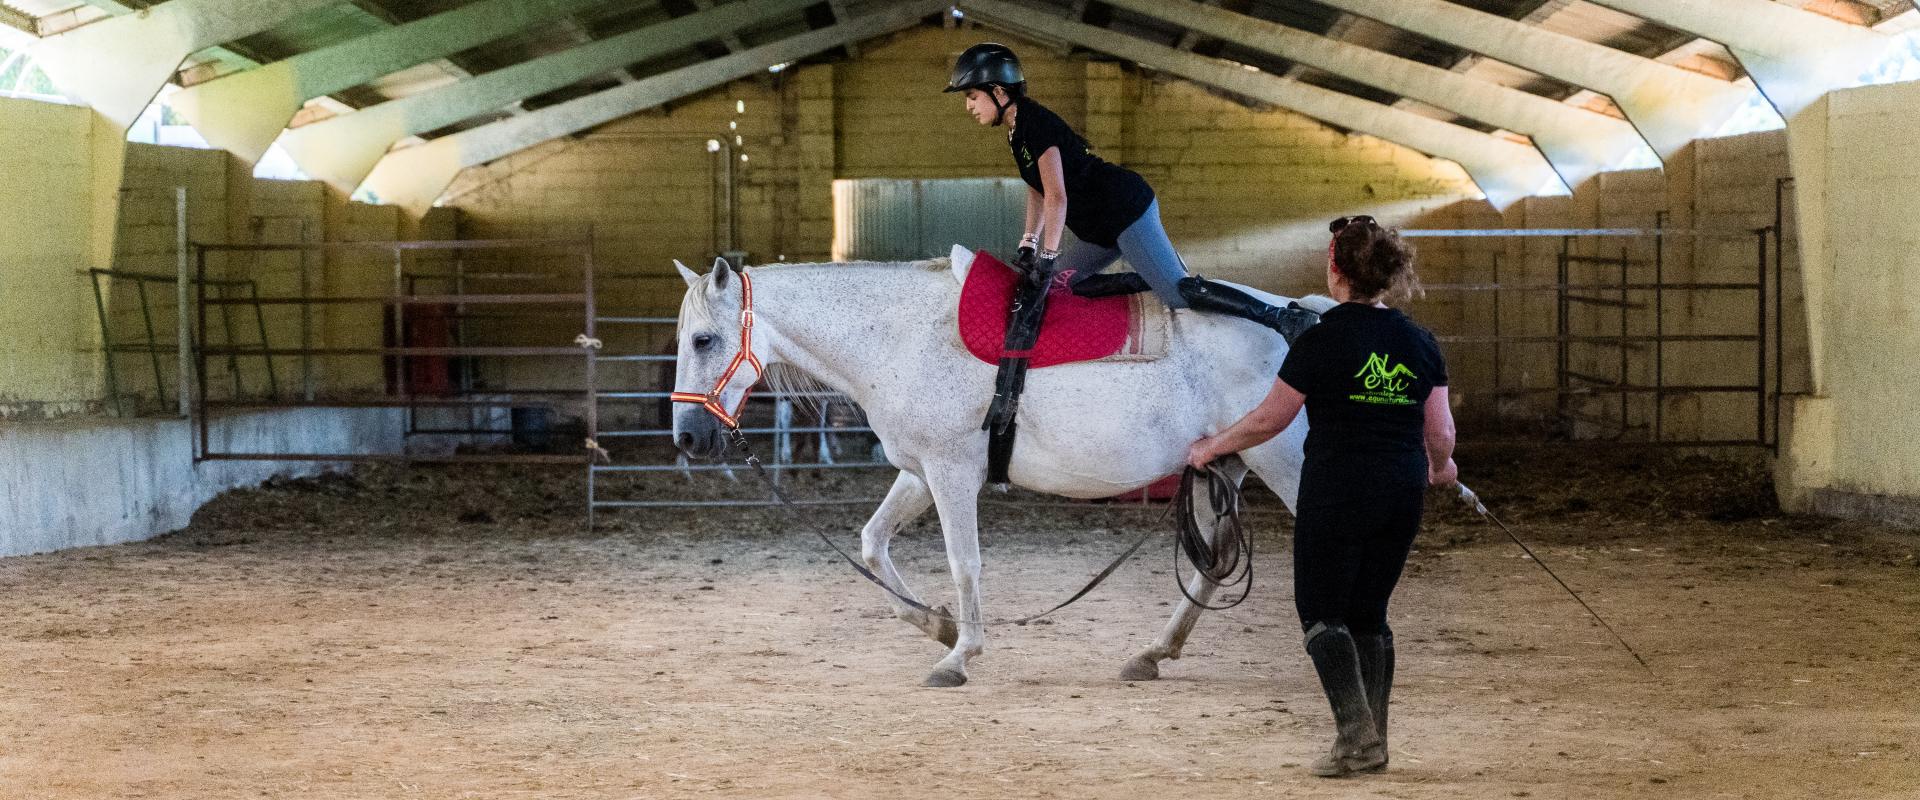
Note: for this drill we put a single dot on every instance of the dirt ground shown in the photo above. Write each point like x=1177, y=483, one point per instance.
x=456, y=633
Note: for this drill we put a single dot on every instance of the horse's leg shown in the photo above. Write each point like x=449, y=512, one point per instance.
x=1145, y=665
x=907, y=500
x=956, y=494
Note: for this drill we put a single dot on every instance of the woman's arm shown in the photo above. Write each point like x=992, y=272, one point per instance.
x=1053, y=214
x=1264, y=422
x=1441, y=471
x=1031, y=237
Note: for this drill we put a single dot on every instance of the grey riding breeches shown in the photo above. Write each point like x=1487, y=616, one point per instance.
x=1145, y=246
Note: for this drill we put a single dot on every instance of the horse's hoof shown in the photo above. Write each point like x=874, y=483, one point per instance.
x=945, y=678
x=948, y=634
x=1140, y=668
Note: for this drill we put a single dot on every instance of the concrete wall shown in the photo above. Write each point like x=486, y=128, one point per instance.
x=78, y=483
x=1845, y=452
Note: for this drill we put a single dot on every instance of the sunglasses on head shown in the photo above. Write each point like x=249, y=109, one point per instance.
x=1340, y=224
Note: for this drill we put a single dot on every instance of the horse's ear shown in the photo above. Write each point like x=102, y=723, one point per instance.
x=721, y=272
x=962, y=261
x=692, y=278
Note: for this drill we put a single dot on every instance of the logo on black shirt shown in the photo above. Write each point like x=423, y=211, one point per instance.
x=1384, y=383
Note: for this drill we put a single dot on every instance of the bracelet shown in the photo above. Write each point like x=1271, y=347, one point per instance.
x=1049, y=254
x=1030, y=240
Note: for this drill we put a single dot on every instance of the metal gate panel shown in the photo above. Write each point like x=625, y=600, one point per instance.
x=887, y=219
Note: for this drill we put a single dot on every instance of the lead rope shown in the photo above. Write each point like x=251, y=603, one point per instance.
x=1226, y=561
x=739, y=440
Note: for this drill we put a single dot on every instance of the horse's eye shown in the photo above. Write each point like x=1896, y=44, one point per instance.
x=703, y=341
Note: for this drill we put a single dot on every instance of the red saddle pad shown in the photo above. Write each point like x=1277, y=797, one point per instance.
x=1075, y=329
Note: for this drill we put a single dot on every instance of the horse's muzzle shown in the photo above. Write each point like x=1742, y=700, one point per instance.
x=697, y=433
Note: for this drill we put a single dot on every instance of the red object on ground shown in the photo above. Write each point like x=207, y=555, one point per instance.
x=1164, y=489
x=1075, y=329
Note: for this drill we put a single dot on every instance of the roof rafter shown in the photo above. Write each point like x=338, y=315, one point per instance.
x=1505, y=172
x=415, y=177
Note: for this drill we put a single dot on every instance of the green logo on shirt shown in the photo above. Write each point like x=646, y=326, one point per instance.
x=1386, y=384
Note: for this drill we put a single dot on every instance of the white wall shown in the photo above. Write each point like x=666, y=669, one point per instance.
x=80, y=483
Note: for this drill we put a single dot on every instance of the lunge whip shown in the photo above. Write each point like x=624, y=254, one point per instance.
x=1473, y=501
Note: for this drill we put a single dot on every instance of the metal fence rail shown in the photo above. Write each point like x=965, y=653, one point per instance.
x=398, y=355
x=776, y=438
x=1634, y=300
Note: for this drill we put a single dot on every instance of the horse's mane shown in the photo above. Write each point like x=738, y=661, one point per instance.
x=699, y=312
x=924, y=265
x=791, y=380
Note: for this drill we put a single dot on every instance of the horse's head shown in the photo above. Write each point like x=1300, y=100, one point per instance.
x=710, y=361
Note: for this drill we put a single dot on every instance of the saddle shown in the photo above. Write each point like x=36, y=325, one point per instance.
x=1123, y=328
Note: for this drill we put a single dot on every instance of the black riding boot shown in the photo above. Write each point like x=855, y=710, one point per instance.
x=1023, y=330
x=1376, y=670
x=1109, y=285
x=1219, y=298
x=1357, y=746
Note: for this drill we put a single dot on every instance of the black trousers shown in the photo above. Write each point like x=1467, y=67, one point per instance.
x=1347, y=557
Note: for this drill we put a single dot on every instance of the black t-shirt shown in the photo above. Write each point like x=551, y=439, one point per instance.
x=1102, y=198
x=1366, y=372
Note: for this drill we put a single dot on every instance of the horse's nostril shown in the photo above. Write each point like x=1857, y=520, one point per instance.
x=683, y=440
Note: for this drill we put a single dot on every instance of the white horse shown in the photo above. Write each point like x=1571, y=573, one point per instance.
x=885, y=335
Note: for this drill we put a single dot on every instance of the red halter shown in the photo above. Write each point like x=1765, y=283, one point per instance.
x=711, y=400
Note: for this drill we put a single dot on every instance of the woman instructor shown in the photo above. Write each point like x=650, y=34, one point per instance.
x=1374, y=386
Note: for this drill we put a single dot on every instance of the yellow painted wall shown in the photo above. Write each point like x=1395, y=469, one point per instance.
x=1246, y=195
x=47, y=328
x=894, y=121
x=1725, y=185
x=1848, y=438
x=52, y=359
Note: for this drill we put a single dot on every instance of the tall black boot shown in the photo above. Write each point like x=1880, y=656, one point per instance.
x=1108, y=285
x=1357, y=746
x=1376, y=671
x=1219, y=298
x=1023, y=331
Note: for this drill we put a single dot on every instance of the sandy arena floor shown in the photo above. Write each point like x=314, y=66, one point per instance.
x=456, y=634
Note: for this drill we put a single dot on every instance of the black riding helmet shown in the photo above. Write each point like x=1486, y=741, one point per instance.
x=984, y=66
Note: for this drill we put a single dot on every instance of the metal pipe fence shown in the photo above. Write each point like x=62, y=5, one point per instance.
x=1618, y=284
x=770, y=421
x=399, y=353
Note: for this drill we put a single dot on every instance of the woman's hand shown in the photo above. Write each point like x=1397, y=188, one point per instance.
x=1447, y=474
x=1200, y=453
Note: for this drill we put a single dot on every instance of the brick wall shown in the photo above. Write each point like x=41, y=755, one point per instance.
x=1722, y=185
